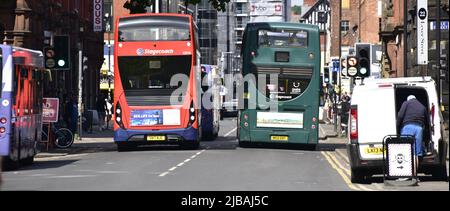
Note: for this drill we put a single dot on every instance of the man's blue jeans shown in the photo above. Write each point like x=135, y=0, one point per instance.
x=416, y=131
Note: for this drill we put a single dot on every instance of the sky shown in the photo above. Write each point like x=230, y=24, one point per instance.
x=296, y=2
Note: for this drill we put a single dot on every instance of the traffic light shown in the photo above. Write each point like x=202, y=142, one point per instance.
x=334, y=75
x=363, y=55
x=326, y=75
x=344, y=67
x=85, y=63
x=444, y=67
x=62, y=51
x=352, y=66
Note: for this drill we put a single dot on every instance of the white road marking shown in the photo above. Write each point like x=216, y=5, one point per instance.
x=70, y=176
x=229, y=133
x=181, y=164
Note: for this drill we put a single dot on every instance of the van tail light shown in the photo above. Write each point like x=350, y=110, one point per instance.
x=353, y=125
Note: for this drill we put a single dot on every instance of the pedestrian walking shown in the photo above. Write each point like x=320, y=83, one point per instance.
x=101, y=110
x=71, y=114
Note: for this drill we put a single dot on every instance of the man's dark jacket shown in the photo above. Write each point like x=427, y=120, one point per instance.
x=412, y=111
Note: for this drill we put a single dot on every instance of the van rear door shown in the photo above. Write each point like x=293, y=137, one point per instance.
x=376, y=119
x=435, y=113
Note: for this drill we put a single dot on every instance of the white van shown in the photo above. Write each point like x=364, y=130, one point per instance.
x=373, y=115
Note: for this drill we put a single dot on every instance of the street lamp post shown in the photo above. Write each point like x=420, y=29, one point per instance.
x=108, y=31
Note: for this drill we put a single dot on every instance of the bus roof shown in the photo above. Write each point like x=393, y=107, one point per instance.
x=284, y=25
x=155, y=14
x=28, y=57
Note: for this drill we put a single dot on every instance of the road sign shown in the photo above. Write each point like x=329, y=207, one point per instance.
x=49, y=57
x=352, y=71
x=335, y=65
x=352, y=62
x=50, y=110
x=422, y=32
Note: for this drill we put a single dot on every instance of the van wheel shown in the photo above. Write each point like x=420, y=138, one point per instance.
x=440, y=173
x=357, y=176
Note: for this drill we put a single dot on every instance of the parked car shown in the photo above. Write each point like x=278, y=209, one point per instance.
x=374, y=108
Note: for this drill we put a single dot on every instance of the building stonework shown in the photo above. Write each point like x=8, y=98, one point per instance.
x=23, y=23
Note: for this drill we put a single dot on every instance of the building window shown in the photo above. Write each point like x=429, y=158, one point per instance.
x=345, y=26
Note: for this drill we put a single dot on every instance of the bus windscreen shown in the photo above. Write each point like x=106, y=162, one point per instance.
x=154, y=28
x=283, y=38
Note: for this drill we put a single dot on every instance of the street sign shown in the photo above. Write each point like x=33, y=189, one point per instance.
x=335, y=65
x=352, y=66
x=49, y=57
x=50, y=110
x=352, y=71
x=422, y=32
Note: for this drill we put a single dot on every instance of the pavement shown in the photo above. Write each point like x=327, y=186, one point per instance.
x=96, y=141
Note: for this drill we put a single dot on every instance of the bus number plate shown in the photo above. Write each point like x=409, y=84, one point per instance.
x=156, y=138
x=279, y=138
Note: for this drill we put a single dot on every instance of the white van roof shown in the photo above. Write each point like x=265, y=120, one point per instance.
x=398, y=80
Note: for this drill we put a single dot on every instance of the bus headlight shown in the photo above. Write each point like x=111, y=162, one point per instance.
x=118, y=111
x=3, y=120
x=118, y=119
x=2, y=130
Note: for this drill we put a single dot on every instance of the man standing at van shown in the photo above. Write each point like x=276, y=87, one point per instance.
x=411, y=119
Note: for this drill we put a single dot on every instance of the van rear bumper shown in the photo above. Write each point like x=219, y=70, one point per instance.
x=357, y=163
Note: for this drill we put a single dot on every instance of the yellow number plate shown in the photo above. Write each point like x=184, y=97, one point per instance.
x=156, y=138
x=374, y=150
x=279, y=138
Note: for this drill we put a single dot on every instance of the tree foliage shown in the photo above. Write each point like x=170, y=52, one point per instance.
x=139, y=6
x=297, y=10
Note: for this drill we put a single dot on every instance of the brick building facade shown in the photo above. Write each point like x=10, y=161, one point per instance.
x=32, y=23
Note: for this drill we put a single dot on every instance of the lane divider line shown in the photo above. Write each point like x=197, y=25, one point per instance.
x=181, y=164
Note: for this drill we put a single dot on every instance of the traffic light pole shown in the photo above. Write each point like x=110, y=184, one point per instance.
x=80, y=91
x=337, y=119
x=438, y=50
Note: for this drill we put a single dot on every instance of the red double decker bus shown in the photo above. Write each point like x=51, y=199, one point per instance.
x=157, y=81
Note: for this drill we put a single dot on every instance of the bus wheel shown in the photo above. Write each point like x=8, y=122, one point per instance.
x=357, y=176
x=9, y=164
x=124, y=147
x=29, y=160
x=190, y=145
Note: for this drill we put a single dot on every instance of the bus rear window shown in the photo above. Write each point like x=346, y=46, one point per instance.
x=282, y=38
x=154, y=29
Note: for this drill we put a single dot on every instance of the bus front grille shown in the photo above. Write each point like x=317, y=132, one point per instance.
x=154, y=100
x=303, y=72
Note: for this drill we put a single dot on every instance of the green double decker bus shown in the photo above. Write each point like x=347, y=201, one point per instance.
x=281, y=103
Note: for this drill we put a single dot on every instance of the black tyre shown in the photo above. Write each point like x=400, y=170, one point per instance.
x=28, y=161
x=440, y=173
x=190, y=145
x=357, y=176
x=124, y=146
x=63, y=138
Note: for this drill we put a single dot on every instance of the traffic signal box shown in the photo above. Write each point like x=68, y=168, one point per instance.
x=62, y=52
x=363, y=56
